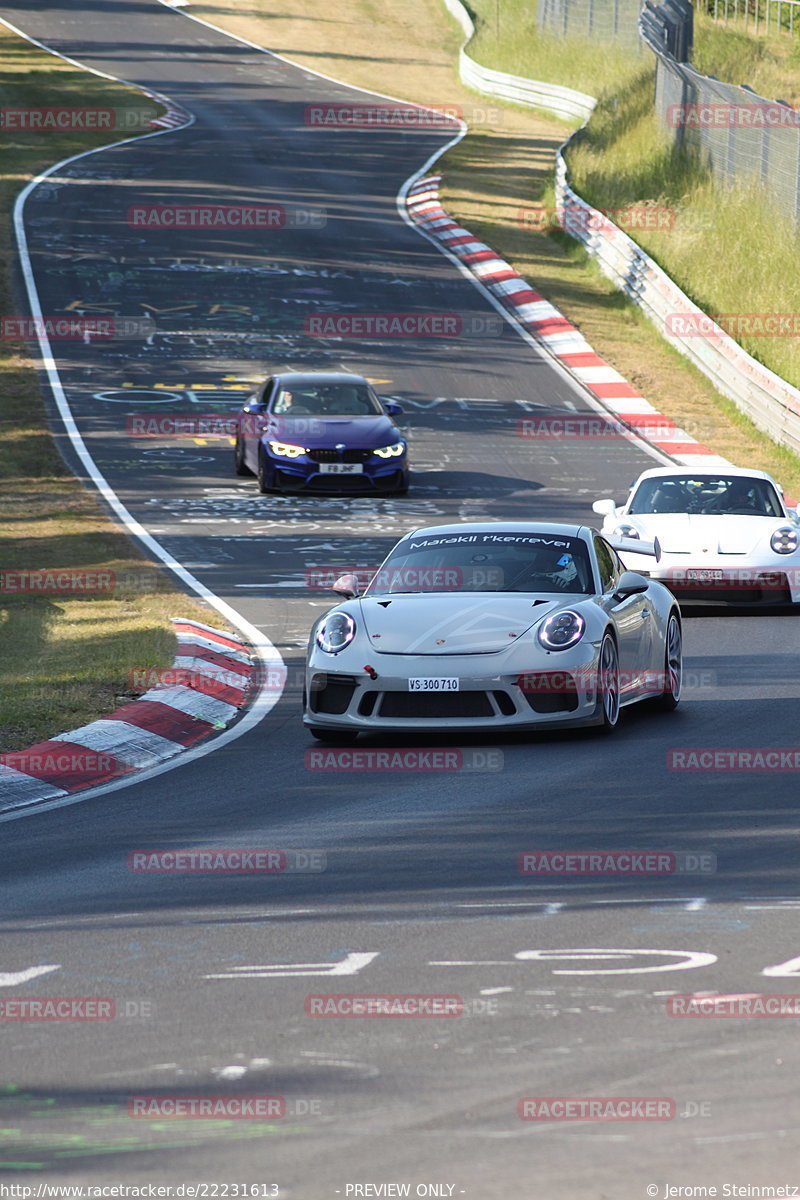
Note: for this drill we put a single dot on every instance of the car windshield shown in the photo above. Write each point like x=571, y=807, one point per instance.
x=706, y=495
x=505, y=561
x=326, y=400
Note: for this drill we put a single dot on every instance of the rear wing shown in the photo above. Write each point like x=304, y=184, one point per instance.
x=627, y=545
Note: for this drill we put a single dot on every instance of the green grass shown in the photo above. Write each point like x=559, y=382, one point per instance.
x=769, y=65
x=522, y=49
x=64, y=659
x=624, y=158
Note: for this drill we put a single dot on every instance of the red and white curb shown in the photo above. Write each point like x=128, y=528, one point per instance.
x=174, y=118
x=561, y=339
x=160, y=724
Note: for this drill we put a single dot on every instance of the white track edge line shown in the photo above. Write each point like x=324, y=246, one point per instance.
x=267, y=652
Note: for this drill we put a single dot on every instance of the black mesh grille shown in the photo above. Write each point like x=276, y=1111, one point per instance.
x=550, y=692
x=436, y=704
x=334, y=696
x=366, y=704
x=348, y=455
x=771, y=589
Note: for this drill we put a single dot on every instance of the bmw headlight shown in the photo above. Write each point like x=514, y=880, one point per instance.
x=336, y=631
x=562, y=630
x=285, y=450
x=626, y=531
x=392, y=451
x=784, y=541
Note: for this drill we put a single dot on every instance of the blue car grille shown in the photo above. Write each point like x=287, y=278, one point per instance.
x=347, y=455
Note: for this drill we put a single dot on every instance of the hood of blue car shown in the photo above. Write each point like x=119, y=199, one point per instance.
x=365, y=433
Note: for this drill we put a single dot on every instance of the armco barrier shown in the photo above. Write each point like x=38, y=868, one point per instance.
x=531, y=93
x=771, y=403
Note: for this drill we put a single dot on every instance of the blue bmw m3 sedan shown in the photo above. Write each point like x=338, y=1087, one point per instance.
x=321, y=432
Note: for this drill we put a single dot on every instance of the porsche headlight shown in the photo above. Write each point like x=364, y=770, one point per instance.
x=392, y=451
x=336, y=631
x=784, y=541
x=285, y=450
x=562, y=630
x=626, y=531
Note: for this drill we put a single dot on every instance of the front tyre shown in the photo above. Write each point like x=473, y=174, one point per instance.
x=339, y=737
x=263, y=480
x=673, y=665
x=239, y=465
x=608, y=684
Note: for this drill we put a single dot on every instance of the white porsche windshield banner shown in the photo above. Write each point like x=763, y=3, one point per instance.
x=488, y=539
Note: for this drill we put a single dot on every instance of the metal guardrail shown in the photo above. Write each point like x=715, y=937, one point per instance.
x=530, y=93
x=772, y=404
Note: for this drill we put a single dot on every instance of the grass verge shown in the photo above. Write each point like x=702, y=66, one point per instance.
x=64, y=658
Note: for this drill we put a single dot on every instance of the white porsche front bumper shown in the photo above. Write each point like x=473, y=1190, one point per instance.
x=724, y=578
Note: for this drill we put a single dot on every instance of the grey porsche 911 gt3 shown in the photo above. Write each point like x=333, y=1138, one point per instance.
x=507, y=625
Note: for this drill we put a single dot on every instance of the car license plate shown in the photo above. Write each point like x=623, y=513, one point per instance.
x=705, y=576
x=433, y=685
x=341, y=468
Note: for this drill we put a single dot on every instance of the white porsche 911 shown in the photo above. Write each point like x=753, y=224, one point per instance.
x=726, y=535
x=493, y=626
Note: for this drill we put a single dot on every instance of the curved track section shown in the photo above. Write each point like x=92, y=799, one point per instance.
x=391, y=882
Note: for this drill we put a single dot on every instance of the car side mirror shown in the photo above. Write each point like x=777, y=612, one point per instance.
x=393, y=409
x=605, y=507
x=631, y=583
x=254, y=404
x=347, y=586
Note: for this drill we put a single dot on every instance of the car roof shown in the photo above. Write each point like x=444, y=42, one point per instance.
x=698, y=472
x=298, y=378
x=554, y=527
